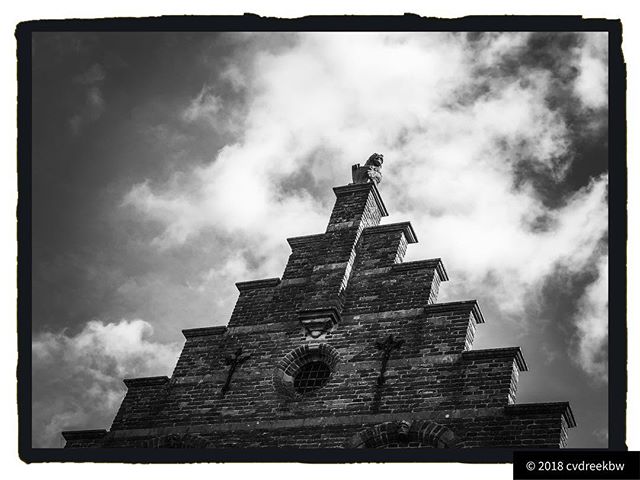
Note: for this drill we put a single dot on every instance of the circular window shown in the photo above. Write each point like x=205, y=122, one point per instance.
x=311, y=376
x=305, y=370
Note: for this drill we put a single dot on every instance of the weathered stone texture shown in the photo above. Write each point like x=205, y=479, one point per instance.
x=351, y=282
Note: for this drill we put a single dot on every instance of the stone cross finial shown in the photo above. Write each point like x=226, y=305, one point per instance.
x=371, y=172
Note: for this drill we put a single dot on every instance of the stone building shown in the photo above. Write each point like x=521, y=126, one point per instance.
x=349, y=349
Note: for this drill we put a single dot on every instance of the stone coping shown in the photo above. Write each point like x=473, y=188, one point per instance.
x=83, y=434
x=551, y=407
x=145, y=381
x=471, y=305
x=253, y=284
x=297, y=241
x=203, y=331
x=432, y=263
x=498, y=352
x=405, y=227
x=356, y=187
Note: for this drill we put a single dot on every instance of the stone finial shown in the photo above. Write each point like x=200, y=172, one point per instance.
x=371, y=172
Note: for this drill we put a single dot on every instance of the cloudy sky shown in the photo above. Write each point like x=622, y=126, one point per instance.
x=168, y=166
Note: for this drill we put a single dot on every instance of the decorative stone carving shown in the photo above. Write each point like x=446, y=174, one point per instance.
x=404, y=426
x=316, y=327
x=371, y=172
x=317, y=322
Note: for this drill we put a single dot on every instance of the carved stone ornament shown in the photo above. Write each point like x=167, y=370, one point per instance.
x=371, y=172
x=316, y=327
x=317, y=322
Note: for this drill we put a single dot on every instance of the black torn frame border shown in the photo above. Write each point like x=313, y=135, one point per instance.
x=617, y=197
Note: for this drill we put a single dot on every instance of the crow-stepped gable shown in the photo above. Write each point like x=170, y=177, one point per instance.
x=348, y=349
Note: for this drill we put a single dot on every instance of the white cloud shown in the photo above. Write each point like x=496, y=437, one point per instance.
x=493, y=239
x=205, y=105
x=493, y=46
x=84, y=372
x=124, y=345
x=327, y=101
x=592, y=84
x=590, y=347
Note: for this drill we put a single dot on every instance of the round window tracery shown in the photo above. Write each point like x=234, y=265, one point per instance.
x=311, y=376
x=305, y=370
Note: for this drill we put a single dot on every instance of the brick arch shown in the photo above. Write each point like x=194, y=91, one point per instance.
x=289, y=365
x=403, y=433
x=173, y=440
